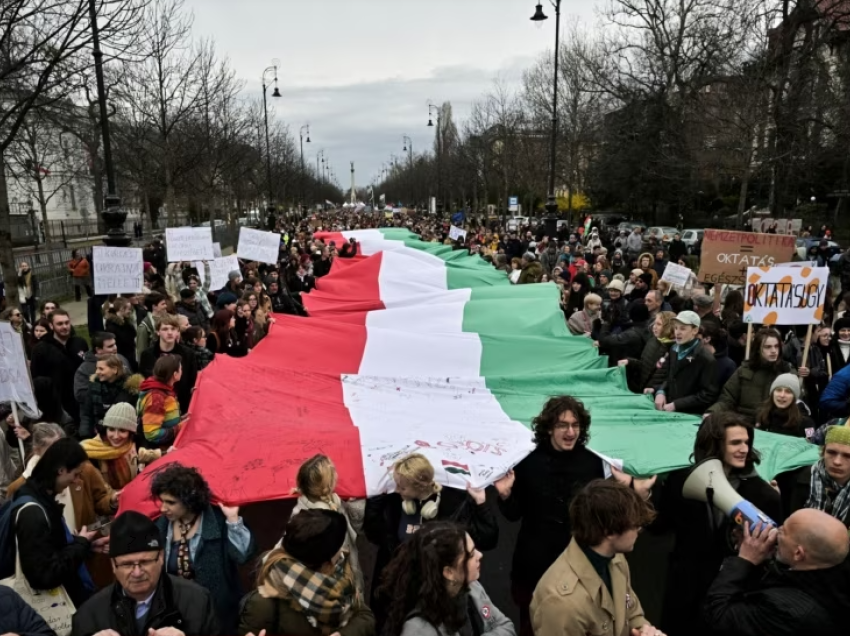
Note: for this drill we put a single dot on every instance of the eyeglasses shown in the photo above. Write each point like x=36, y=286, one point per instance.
x=563, y=426
x=142, y=564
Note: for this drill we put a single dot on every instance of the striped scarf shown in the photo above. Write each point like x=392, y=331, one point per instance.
x=827, y=495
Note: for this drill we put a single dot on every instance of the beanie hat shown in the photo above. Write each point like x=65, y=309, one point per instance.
x=187, y=293
x=638, y=312
x=636, y=272
x=224, y=299
x=838, y=435
x=619, y=277
x=233, y=275
x=787, y=381
x=319, y=548
x=606, y=273
x=616, y=284
x=131, y=533
x=646, y=278
x=121, y=416
x=841, y=323
x=529, y=256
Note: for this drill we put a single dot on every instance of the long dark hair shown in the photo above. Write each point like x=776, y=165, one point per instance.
x=710, y=442
x=63, y=453
x=756, y=362
x=221, y=327
x=414, y=580
x=792, y=415
x=543, y=424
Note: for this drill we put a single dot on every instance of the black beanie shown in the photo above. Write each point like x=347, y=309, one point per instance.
x=646, y=277
x=187, y=293
x=131, y=533
x=317, y=546
x=638, y=312
x=841, y=323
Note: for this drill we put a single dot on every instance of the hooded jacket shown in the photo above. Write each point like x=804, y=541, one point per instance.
x=649, y=270
x=782, y=602
x=158, y=412
x=531, y=273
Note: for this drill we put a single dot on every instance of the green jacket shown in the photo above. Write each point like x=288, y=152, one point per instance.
x=747, y=389
x=277, y=616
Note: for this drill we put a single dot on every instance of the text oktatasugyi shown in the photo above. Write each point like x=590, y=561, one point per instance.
x=785, y=295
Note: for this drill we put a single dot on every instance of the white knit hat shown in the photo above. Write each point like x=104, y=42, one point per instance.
x=787, y=381
x=121, y=416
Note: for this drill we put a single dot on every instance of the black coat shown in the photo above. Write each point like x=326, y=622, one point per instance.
x=691, y=382
x=48, y=560
x=640, y=371
x=52, y=359
x=184, y=387
x=626, y=344
x=545, y=483
x=16, y=617
x=700, y=547
x=321, y=267
x=746, y=600
x=177, y=603
x=194, y=313
x=125, y=340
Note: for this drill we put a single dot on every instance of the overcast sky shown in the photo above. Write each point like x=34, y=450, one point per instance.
x=361, y=72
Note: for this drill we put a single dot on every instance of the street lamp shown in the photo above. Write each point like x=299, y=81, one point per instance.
x=431, y=109
x=112, y=214
x=539, y=17
x=319, y=155
x=301, y=136
x=276, y=93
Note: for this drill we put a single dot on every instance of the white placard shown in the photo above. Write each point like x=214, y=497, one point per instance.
x=256, y=245
x=118, y=270
x=15, y=382
x=220, y=268
x=188, y=244
x=199, y=265
x=456, y=234
x=785, y=295
x=676, y=274
x=216, y=250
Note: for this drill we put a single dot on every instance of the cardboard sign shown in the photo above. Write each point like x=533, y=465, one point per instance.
x=785, y=295
x=677, y=275
x=188, y=244
x=456, y=234
x=256, y=245
x=118, y=270
x=220, y=268
x=15, y=382
x=726, y=254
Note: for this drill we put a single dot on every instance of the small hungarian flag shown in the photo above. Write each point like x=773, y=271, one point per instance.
x=456, y=468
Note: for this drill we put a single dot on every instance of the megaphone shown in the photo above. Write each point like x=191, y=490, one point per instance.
x=707, y=481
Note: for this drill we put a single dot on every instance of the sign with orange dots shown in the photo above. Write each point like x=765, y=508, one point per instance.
x=785, y=295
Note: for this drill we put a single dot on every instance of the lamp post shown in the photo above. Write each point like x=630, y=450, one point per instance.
x=433, y=108
x=112, y=214
x=276, y=93
x=539, y=17
x=301, y=136
x=408, y=148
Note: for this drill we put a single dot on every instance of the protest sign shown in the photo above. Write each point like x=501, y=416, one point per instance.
x=727, y=254
x=188, y=244
x=677, y=275
x=785, y=295
x=118, y=270
x=255, y=245
x=220, y=268
x=15, y=383
x=456, y=234
x=216, y=250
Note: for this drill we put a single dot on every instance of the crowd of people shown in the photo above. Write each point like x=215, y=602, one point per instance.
x=112, y=405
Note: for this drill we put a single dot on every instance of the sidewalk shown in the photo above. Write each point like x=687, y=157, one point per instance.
x=78, y=310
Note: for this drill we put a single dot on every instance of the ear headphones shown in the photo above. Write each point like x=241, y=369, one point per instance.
x=429, y=508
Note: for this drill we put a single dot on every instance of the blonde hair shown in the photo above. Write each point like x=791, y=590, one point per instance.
x=592, y=298
x=113, y=362
x=418, y=472
x=316, y=478
x=666, y=324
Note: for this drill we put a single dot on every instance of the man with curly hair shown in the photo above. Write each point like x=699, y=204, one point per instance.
x=540, y=489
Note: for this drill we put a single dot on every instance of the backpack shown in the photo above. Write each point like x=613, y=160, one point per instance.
x=8, y=514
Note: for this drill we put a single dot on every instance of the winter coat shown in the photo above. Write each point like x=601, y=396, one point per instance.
x=135, y=458
x=79, y=268
x=548, y=261
x=16, y=617
x=194, y=313
x=702, y=541
x=835, y=399
x=101, y=396
x=677, y=250
x=690, y=383
x=495, y=622
x=776, y=423
x=627, y=344
x=545, y=482
x=186, y=385
x=158, y=412
x=176, y=603
x=233, y=345
x=125, y=339
x=322, y=267
x=215, y=564
x=52, y=359
x=634, y=242
x=748, y=388
x=581, y=323
x=572, y=599
x=28, y=286
x=82, y=377
x=649, y=270
x=48, y=558
x=531, y=273
x=276, y=616
x=203, y=355
x=749, y=600
x=145, y=336
x=640, y=371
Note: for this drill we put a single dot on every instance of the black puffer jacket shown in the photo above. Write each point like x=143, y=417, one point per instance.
x=16, y=617
x=782, y=602
x=101, y=396
x=627, y=344
x=640, y=371
x=177, y=603
x=52, y=359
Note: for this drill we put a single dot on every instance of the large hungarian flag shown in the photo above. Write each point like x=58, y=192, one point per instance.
x=413, y=347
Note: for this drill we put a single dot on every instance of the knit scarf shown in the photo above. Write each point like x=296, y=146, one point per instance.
x=184, y=554
x=827, y=495
x=326, y=601
x=117, y=465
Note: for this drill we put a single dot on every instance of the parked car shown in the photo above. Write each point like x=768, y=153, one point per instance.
x=690, y=238
x=515, y=223
x=664, y=233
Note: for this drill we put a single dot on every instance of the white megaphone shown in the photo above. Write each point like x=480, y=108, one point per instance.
x=707, y=482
